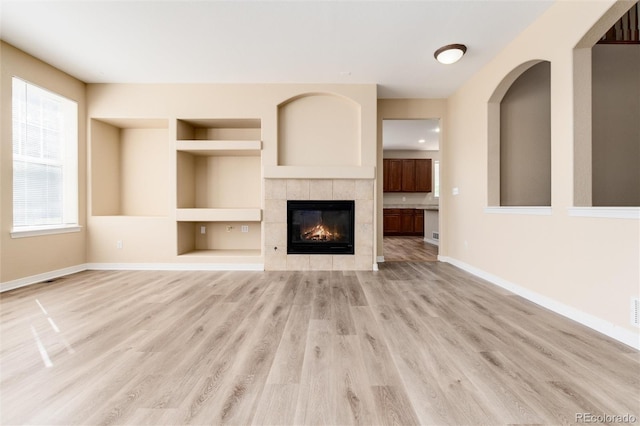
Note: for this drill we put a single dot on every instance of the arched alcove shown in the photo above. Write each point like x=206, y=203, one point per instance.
x=519, y=157
x=606, y=111
x=319, y=129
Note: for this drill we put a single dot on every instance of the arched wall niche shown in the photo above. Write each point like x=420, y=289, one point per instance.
x=519, y=137
x=319, y=129
x=606, y=99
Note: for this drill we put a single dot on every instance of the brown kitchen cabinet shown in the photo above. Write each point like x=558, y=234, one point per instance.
x=406, y=175
x=403, y=222
x=392, y=171
x=423, y=175
x=391, y=221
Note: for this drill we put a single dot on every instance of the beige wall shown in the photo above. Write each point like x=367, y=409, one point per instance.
x=292, y=120
x=313, y=129
x=590, y=265
x=30, y=256
x=616, y=125
x=405, y=109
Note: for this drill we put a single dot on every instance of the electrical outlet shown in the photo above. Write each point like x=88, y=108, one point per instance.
x=203, y=230
x=119, y=244
x=244, y=228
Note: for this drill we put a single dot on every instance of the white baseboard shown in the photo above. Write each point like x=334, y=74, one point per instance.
x=175, y=266
x=432, y=241
x=35, y=279
x=605, y=327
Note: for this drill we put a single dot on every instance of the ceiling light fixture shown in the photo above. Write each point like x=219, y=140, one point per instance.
x=450, y=53
x=421, y=141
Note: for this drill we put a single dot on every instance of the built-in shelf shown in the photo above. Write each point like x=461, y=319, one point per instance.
x=219, y=238
x=218, y=215
x=218, y=182
x=219, y=189
x=220, y=147
x=129, y=166
x=223, y=253
x=237, y=129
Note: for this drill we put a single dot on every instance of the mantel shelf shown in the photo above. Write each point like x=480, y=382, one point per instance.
x=218, y=215
x=319, y=172
x=220, y=147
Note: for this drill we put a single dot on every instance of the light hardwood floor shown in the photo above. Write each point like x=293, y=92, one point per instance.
x=415, y=343
x=409, y=249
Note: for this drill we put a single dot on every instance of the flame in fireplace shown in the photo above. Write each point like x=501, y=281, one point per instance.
x=319, y=233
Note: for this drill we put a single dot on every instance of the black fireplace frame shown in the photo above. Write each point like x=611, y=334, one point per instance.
x=319, y=247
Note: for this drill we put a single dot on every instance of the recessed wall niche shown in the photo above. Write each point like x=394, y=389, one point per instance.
x=129, y=167
x=313, y=128
x=520, y=138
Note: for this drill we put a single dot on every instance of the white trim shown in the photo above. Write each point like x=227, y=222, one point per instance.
x=34, y=279
x=431, y=241
x=379, y=259
x=175, y=266
x=375, y=267
x=529, y=210
x=605, y=327
x=319, y=172
x=35, y=231
x=606, y=212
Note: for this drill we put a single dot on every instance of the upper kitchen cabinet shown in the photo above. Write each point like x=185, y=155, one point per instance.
x=407, y=175
x=392, y=175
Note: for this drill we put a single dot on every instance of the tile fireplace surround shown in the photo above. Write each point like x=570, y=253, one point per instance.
x=278, y=191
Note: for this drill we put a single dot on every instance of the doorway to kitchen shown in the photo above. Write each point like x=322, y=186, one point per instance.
x=411, y=156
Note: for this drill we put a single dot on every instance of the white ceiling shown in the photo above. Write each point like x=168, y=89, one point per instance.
x=390, y=43
x=407, y=134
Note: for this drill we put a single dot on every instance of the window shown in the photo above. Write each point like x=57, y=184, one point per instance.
x=45, y=159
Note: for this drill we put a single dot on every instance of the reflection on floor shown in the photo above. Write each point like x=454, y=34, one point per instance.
x=409, y=249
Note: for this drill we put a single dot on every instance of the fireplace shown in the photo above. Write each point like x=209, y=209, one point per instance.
x=320, y=227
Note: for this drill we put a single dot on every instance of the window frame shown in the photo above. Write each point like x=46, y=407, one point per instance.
x=68, y=161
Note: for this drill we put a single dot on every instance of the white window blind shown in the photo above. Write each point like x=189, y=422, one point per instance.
x=45, y=158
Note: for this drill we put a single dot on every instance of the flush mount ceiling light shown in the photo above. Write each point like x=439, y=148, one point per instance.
x=450, y=53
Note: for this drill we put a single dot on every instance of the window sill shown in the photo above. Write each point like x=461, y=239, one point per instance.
x=606, y=212
x=526, y=210
x=35, y=231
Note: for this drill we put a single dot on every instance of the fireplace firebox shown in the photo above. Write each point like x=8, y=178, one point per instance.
x=320, y=227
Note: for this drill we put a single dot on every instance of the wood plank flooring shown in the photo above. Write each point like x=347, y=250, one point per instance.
x=409, y=249
x=415, y=343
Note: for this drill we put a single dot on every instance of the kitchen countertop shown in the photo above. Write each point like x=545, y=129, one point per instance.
x=432, y=207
